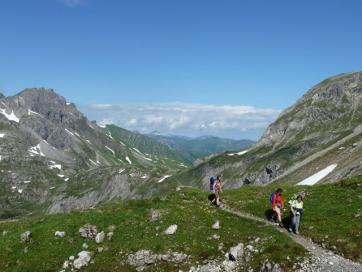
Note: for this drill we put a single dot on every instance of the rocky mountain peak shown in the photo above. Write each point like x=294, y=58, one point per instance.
x=1, y=95
x=45, y=103
x=335, y=100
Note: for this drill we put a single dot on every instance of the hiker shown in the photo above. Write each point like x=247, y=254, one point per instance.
x=212, y=182
x=296, y=208
x=212, y=197
x=217, y=191
x=278, y=204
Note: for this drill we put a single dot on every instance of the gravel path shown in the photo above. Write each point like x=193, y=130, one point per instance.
x=321, y=260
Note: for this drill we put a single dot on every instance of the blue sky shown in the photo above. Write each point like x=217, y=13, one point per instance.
x=260, y=54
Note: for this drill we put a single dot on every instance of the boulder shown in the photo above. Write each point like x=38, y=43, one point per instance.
x=83, y=259
x=155, y=215
x=66, y=264
x=142, y=258
x=59, y=234
x=110, y=236
x=236, y=252
x=277, y=268
x=266, y=267
x=171, y=230
x=88, y=231
x=216, y=226
x=111, y=228
x=250, y=248
x=26, y=236
x=100, y=237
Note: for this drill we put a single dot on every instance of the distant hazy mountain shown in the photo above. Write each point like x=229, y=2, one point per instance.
x=194, y=148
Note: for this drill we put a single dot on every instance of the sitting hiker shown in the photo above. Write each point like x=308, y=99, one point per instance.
x=278, y=204
x=296, y=208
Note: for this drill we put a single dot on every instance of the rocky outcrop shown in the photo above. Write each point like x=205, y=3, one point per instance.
x=116, y=187
x=88, y=231
x=171, y=230
x=26, y=236
x=146, y=258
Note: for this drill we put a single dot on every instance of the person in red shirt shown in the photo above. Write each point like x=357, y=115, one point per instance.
x=278, y=204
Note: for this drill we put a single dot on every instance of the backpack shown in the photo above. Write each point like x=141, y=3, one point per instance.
x=271, y=198
x=212, y=181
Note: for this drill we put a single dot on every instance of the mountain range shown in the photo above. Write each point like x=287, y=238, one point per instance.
x=319, y=137
x=53, y=159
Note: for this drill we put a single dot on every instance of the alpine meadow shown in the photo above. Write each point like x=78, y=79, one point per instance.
x=199, y=136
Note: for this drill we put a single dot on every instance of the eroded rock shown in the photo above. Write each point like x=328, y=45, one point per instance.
x=83, y=259
x=100, y=237
x=216, y=226
x=59, y=234
x=171, y=230
x=88, y=231
x=26, y=236
x=236, y=252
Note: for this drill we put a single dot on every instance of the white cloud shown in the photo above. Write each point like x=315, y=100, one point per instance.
x=73, y=3
x=131, y=122
x=101, y=106
x=191, y=119
x=105, y=121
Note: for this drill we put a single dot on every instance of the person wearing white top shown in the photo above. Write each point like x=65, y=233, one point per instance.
x=296, y=207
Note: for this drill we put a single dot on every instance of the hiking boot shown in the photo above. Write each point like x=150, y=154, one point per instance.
x=290, y=230
x=281, y=225
x=296, y=232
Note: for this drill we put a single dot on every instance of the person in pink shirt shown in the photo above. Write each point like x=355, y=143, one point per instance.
x=217, y=191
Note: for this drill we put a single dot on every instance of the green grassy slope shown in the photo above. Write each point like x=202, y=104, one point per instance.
x=333, y=214
x=134, y=231
x=144, y=143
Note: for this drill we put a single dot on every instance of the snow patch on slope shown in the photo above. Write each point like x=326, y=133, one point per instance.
x=110, y=149
x=30, y=112
x=35, y=151
x=165, y=177
x=69, y=132
x=129, y=161
x=318, y=176
x=55, y=165
x=239, y=153
x=11, y=116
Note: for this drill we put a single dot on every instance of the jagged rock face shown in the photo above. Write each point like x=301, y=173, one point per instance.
x=47, y=103
x=328, y=104
x=53, y=159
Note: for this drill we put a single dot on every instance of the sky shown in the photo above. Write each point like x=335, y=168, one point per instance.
x=189, y=67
